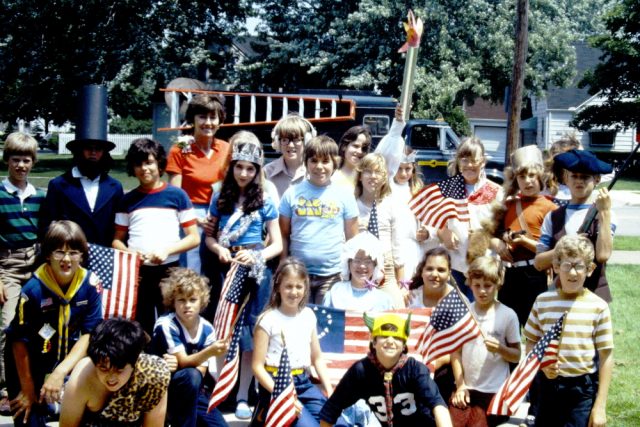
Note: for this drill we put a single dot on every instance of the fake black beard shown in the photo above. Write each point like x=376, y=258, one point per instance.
x=90, y=168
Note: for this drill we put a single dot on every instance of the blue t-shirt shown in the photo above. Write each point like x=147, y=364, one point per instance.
x=253, y=234
x=318, y=215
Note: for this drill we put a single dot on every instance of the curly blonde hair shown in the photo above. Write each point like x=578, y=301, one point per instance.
x=186, y=282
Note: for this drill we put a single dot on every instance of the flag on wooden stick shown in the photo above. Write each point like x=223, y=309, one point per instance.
x=514, y=389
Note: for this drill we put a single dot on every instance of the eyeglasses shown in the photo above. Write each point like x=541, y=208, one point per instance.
x=363, y=261
x=287, y=141
x=73, y=255
x=566, y=266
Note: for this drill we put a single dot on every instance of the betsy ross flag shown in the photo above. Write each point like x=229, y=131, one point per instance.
x=344, y=338
x=451, y=326
x=436, y=204
x=229, y=372
x=282, y=409
x=118, y=271
x=233, y=292
x=514, y=389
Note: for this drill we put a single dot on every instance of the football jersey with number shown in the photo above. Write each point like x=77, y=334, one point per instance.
x=414, y=394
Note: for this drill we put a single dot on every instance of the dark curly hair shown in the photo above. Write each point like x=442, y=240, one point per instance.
x=230, y=192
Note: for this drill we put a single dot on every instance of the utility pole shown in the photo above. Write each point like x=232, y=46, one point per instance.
x=517, y=83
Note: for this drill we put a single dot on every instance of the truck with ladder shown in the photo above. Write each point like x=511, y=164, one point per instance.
x=331, y=113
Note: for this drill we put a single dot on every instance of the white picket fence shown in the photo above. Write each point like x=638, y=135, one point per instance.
x=122, y=141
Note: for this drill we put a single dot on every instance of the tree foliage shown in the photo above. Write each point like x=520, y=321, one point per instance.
x=466, y=49
x=617, y=77
x=51, y=48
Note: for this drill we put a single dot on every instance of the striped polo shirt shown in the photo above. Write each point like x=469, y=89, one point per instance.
x=587, y=328
x=19, y=215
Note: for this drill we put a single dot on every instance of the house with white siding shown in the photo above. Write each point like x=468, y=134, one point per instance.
x=552, y=115
x=555, y=110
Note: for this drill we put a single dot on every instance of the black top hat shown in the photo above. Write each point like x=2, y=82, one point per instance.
x=582, y=161
x=91, y=126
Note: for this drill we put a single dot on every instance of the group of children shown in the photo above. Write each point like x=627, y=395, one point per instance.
x=336, y=245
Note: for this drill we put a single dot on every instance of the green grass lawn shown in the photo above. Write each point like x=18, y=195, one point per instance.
x=626, y=243
x=51, y=165
x=623, y=407
x=626, y=183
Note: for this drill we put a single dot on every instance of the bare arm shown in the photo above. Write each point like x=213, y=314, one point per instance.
x=274, y=239
x=285, y=232
x=76, y=395
x=509, y=352
x=175, y=179
x=442, y=417
x=598, y=416
x=461, y=397
x=350, y=228
x=604, y=243
x=544, y=260
x=318, y=363
x=53, y=385
x=120, y=240
x=260, y=346
x=27, y=397
x=195, y=360
x=156, y=416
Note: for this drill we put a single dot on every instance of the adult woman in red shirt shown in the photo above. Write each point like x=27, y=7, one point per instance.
x=198, y=161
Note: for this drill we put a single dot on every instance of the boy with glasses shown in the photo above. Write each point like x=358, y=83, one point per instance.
x=289, y=136
x=573, y=391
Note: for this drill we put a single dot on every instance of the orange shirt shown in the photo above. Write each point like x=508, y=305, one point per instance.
x=534, y=210
x=199, y=172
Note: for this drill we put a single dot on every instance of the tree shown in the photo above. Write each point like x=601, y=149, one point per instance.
x=52, y=48
x=466, y=50
x=616, y=78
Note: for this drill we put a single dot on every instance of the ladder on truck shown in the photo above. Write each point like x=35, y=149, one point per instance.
x=265, y=109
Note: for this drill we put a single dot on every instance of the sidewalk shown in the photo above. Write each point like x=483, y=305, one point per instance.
x=624, y=257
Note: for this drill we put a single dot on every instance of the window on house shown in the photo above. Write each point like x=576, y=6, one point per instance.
x=602, y=137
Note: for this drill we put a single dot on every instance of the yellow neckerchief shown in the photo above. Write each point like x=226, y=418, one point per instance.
x=47, y=278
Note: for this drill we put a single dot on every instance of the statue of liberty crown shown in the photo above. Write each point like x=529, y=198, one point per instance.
x=248, y=152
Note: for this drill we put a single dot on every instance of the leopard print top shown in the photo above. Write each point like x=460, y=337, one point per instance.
x=147, y=385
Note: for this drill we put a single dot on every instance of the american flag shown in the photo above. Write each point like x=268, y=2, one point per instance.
x=118, y=271
x=344, y=338
x=436, y=204
x=233, y=292
x=282, y=410
x=372, y=227
x=450, y=327
x=514, y=389
x=229, y=371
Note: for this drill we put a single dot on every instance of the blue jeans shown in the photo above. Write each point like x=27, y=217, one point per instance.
x=309, y=395
x=187, y=404
x=191, y=258
x=566, y=401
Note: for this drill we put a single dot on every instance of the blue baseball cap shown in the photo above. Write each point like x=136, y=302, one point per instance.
x=582, y=161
